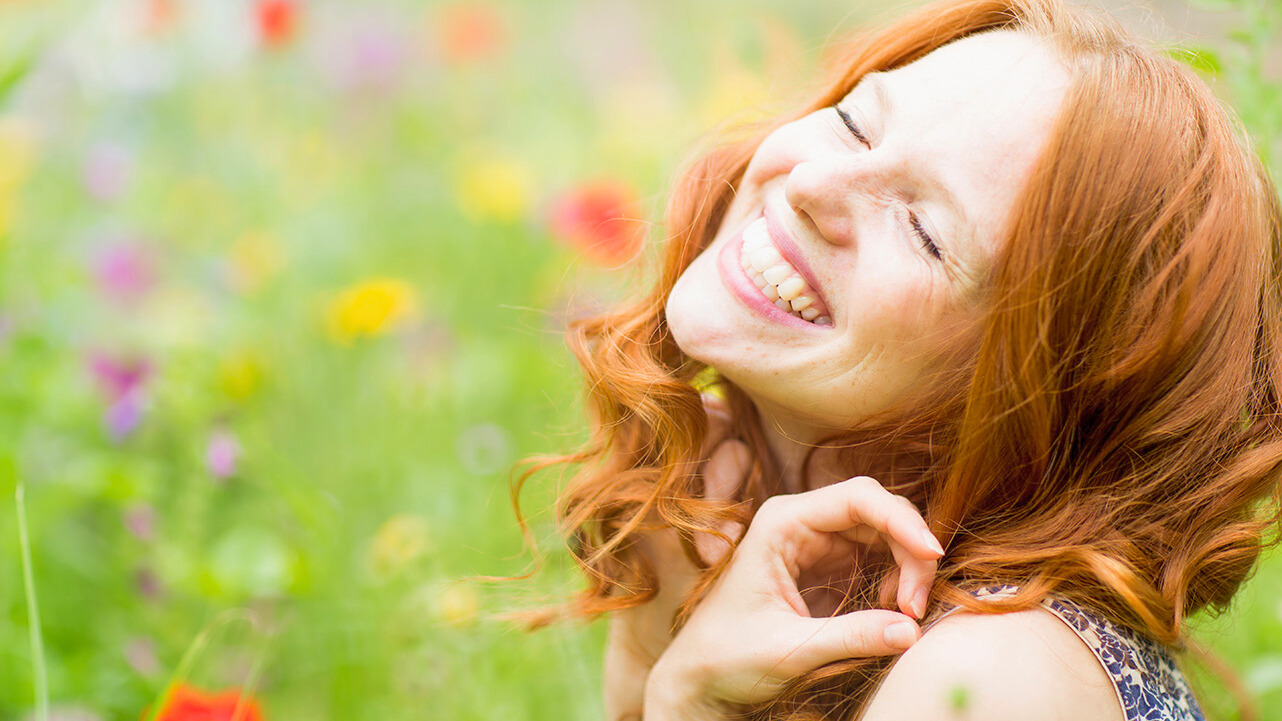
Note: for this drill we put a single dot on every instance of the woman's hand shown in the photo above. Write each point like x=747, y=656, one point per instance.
x=753, y=632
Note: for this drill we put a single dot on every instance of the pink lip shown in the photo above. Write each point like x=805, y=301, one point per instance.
x=742, y=287
x=788, y=249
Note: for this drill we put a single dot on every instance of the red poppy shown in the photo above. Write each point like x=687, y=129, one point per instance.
x=602, y=219
x=470, y=32
x=277, y=21
x=190, y=704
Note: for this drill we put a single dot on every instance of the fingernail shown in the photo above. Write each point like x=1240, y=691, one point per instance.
x=931, y=541
x=900, y=635
x=919, y=602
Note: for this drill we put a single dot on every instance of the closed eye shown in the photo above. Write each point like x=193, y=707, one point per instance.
x=850, y=123
x=927, y=242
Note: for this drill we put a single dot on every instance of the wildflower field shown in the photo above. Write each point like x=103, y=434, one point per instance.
x=283, y=286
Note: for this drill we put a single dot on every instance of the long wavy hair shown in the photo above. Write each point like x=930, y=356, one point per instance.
x=1114, y=438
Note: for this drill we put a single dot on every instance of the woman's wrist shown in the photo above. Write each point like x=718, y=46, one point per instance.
x=671, y=695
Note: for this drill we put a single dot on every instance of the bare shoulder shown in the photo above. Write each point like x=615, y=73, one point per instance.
x=1026, y=665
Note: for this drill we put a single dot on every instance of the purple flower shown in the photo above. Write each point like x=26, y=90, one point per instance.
x=122, y=382
x=124, y=416
x=148, y=584
x=364, y=53
x=124, y=271
x=222, y=454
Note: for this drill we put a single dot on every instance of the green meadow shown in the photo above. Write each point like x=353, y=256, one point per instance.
x=282, y=292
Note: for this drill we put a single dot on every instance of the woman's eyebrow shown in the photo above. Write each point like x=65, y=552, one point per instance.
x=886, y=109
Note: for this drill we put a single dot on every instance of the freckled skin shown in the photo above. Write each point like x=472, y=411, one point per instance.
x=972, y=117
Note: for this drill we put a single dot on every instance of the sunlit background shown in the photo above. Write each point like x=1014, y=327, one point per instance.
x=283, y=288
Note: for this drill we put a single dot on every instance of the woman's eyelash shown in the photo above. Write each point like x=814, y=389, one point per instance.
x=850, y=123
x=926, y=241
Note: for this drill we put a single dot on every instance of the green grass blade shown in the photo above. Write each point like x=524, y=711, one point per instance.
x=33, y=613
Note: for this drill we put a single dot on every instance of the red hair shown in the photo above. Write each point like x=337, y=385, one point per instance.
x=1112, y=435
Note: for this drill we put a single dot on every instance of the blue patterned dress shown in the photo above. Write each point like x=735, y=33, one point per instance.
x=1150, y=687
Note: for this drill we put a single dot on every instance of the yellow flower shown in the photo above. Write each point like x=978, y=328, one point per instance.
x=240, y=375
x=458, y=605
x=371, y=308
x=399, y=542
x=492, y=189
x=17, y=152
x=18, y=149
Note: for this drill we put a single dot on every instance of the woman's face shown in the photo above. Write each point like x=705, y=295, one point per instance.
x=877, y=222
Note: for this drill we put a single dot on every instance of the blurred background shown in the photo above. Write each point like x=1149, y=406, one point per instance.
x=283, y=283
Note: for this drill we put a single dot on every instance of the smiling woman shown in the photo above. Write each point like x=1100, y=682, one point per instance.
x=983, y=339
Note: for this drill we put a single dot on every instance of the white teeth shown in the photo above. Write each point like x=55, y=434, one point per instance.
x=764, y=258
x=756, y=236
x=791, y=287
x=776, y=274
x=778, y=281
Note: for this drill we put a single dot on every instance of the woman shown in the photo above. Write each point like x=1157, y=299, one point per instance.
x=1010, y=277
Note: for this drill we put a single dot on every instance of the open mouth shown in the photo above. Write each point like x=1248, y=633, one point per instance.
x=777, y=279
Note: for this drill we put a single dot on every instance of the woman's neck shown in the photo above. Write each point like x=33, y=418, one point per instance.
x=790, y=440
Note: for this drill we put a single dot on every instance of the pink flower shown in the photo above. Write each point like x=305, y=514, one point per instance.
x=119, y=377
x=141, y=522
x=222, y=454
x=367, y=53
x=601, y=219
x=124, y=272
x=107, y=171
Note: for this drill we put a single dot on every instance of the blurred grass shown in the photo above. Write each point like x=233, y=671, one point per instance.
x=279, y=312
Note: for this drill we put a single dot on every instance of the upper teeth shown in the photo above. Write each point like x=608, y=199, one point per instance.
x=777, y=279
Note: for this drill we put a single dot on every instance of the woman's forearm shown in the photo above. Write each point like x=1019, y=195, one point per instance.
x=625, y=672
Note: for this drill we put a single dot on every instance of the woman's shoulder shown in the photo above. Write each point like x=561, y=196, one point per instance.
x=1025, y=664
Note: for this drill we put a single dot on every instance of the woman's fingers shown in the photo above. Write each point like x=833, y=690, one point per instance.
x=852, y=635
x=916, y=576
x=861, y=511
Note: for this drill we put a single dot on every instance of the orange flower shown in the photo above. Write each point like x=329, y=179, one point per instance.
x=159, y=17
x=470, y=32
x=601, y=219
x=186, y=703
x=277, y=21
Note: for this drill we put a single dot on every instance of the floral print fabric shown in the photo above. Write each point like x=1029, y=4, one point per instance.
x=1150, y=687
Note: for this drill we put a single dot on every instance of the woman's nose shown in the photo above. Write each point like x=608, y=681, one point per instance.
x=832, y=193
